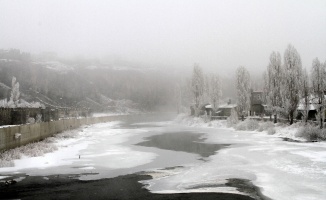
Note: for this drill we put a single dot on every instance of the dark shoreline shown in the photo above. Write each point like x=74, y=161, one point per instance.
x=121, y=187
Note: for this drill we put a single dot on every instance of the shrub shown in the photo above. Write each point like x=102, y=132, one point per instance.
x=271, y=131
x=247, y=125
x=265, y=126
x=233, y=119
x=252, y=125
x=30, y=120
x=34, y=149
x=241, y=126
x=311, y=133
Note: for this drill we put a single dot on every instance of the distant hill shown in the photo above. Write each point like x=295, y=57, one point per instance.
x=84, y=84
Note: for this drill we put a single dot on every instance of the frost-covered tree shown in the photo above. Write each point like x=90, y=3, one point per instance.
x=318, y=78
x=243, y=89
x=197, y=84
x=186, y=92
x=233, y=118
x=291, y=84
x=305, y=94
x=265, y=87
x=273, y=83
x=215, y=90
x=15, y=94
x=178, y=97
x=207, y=89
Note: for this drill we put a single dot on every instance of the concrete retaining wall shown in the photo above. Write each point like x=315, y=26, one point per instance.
x=15, y=136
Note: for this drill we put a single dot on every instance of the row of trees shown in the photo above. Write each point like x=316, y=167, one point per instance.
x=199, y=89
x=288, y=84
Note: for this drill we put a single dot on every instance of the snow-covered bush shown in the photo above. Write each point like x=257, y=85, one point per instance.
x=264, y=126
x=252, y=124
x=271, y=131
x=311, y=132
x=15, y=94
x=3, y=103
x=240, y=126
x=25, y=104
x=247, y=125
x=233, y=119
x=34, y=149
x=30, y=120
x=7, y=157
x=15, y=101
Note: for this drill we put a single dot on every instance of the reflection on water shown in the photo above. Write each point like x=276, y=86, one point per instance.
x=183, y=141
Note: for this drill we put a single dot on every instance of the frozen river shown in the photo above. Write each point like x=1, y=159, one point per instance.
x=185, y=159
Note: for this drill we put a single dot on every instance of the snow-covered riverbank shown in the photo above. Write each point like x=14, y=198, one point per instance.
x=84, y=150
x=293, y=132
x=281, y=169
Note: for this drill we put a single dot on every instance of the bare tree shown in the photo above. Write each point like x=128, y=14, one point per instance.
x=243, y=89
x=291, y=84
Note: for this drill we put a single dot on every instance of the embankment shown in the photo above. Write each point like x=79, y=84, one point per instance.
x=15, y=136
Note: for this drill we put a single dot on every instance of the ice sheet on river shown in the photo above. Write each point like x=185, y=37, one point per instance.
x=283, y=170
x=98, y=146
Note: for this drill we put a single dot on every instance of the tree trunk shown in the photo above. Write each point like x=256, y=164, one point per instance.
x=321, y=118
x=275, y=118
x=291, y=117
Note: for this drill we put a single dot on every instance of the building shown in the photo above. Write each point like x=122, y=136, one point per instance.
x=312, y=108
x=225, y=110
x=257, y=107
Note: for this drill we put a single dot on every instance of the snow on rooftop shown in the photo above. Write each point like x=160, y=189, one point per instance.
x=228, y=106
x=313, y=103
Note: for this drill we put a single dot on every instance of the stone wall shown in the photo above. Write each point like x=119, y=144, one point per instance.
x=15, y=136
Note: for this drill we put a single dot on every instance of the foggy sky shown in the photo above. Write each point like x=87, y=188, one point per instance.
x=219, y=35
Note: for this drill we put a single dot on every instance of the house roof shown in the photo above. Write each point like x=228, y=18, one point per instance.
x=313, y=103
x=228, y=106
x=310, y=106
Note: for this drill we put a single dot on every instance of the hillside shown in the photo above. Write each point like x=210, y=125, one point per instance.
x=90, y=84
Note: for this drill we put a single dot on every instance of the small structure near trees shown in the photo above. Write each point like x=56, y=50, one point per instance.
x=257, y=107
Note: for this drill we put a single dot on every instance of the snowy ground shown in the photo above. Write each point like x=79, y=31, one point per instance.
x=96, y=148
x=283, y=170
x=277, y=130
